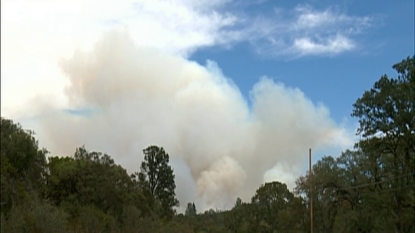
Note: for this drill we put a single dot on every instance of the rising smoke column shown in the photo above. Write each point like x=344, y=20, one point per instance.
x=220, y=146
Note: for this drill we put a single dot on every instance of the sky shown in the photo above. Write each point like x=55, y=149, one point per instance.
x=235, y=91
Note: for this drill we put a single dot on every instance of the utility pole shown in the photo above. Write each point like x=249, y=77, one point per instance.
x=311, y=190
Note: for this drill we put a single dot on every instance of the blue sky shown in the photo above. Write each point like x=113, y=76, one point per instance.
x=336, y=80
x=235, y=91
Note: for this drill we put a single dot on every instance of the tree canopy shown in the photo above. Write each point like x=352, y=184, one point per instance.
x=157, y=179
x=23, y=164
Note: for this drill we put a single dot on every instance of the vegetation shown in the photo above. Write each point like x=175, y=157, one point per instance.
x=157, y=181
x=368, y=188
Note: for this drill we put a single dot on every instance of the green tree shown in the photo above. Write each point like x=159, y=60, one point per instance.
x=22, y=165
x=360, y=208
x=240, y=218
x=386, y=116
x=272, y=206
x=190, y=209
x=94, y=180
x=238, y=202
x=324, y=185
x=157, y=180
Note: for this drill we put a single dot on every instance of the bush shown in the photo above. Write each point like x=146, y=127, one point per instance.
x=31, y=217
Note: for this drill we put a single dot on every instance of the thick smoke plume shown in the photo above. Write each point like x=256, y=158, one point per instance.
x=129, y=97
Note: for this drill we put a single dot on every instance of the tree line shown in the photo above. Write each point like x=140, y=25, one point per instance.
x=368, y=188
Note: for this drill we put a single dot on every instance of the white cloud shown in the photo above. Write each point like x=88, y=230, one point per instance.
x=330, y=18
x=308, y=18
x=306, y=31
x=307, y=46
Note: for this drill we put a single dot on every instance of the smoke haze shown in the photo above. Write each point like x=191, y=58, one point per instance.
x=128, y=97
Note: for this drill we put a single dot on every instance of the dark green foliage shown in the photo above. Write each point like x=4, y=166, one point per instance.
x=388, y=107
x=240, y=218
x=91, y=179
x=157, y=180
x=190, y=209
x=130, y=223
x=35, y=217
x=92, y=219
x=238, y=202
x=386, y=115
x=371, y=189
x=22, y=165
x=274, y=209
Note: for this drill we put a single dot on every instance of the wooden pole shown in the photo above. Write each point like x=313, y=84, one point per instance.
x=311, y=190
